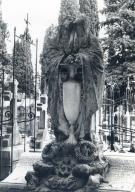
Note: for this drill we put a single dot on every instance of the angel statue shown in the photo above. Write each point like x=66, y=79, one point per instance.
x=74, y=71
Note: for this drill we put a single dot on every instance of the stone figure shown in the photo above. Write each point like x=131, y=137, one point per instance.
x=74, y=77
x=73, y=45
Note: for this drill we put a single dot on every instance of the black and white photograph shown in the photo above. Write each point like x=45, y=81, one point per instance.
x=67, y=95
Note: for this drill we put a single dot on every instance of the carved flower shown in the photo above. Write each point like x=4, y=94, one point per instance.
x=64, y=167
x=49, y=151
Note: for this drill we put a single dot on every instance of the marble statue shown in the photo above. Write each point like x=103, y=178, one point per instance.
x=74, y=78
x=74, y=47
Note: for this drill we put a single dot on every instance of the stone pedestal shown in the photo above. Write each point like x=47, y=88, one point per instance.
x=68, y=167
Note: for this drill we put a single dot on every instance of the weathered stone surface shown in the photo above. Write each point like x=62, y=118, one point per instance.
x=6, y=159
x=63, y=184
x=33, y=180
x=85, y=152
x=43, y=169
x=64, y=171
x=70, y=45
x=121, y=174
x=8, y=187
x=24, y=164
x=81, y=171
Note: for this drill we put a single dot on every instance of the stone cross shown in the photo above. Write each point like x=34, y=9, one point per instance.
x=27, y=22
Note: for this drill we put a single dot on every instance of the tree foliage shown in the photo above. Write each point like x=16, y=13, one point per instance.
x=119, y=42
x=23, y=64
x=89, y=8
x=50, y=34
x=69, y=8
x=5, y=58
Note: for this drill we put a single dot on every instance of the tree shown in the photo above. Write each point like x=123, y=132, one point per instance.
x=119, y=42
x=68, y=8
x=50, y=33
x=89, y=8
x=23, y=64
x=5, y=58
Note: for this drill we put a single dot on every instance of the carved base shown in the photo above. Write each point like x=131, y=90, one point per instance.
x=68, y=167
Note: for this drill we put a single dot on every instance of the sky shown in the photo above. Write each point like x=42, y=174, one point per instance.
x=42, y=13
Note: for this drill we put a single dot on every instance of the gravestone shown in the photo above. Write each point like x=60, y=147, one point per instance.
x=16, y=134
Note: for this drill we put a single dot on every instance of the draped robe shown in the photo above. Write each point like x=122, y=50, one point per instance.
x=74, y=40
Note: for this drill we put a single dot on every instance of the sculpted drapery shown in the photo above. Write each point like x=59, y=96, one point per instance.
x=73, y=44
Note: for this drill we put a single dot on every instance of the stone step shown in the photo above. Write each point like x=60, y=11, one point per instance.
x=25, y=164
x=15, y=182
x=121, y=176
x=111, y=190
x=10, y=187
